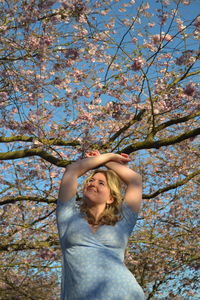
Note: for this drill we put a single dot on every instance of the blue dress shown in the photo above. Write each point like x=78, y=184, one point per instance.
x=93, y=263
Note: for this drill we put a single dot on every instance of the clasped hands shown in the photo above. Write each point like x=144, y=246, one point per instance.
x=121, y=158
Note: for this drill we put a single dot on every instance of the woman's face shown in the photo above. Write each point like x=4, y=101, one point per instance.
x=97, y=191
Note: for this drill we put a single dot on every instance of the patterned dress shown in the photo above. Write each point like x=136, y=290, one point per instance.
x=93, y=262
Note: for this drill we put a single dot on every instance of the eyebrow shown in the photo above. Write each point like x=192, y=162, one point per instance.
x=102, y=181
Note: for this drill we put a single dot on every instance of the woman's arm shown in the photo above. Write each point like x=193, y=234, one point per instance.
x=133, y=180
x=68, y=186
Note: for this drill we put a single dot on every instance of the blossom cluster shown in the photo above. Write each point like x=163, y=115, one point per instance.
x=138, y=63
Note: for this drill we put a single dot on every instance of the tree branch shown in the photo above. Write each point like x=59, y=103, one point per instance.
x=8, y=200
x=149, y=144
x=185, y=75
x=177, y=121
x=172, y=186
x=136, y=118
x=51, y=141
x=22, y=245
x=173, y=122
x=34, y=152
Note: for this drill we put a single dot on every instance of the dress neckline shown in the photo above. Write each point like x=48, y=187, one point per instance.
x=94, y=227
x=91, y=229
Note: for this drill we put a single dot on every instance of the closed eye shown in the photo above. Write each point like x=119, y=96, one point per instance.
x=102, y=182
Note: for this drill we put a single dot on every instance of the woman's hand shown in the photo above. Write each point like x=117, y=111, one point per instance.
x=122, y=158
x=125, y=156
x=92, y=153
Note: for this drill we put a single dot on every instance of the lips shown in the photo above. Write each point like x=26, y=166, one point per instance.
x=91, y=189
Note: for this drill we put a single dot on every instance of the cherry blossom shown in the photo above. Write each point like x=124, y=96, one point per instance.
x=137, y=64
x=112, y=76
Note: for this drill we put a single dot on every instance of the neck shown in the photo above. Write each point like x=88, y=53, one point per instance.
x=96, y=211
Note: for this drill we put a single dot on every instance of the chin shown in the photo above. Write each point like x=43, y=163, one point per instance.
x=88, y=199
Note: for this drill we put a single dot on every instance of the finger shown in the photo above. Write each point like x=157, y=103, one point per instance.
x=125, y=156
x=96, y=152
x=88, y=154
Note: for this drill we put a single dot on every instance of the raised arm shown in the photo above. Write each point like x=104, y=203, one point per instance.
x=68, y=186
x=133, y=181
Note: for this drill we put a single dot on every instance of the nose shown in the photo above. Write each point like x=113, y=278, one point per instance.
x=91, y=184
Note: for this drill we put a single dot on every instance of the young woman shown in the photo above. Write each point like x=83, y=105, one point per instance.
x=94, y=234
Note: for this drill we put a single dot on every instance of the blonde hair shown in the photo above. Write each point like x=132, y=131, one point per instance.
x=111, y=215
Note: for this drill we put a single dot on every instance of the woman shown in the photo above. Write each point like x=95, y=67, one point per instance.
x=94, y=235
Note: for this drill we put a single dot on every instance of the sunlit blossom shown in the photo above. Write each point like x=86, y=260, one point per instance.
x=138, y=63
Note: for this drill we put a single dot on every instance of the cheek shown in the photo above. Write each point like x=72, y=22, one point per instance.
x=84, y=188
x=106, y=191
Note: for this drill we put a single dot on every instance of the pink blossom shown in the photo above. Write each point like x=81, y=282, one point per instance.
x=47, y=254
x=110, y=25
x=149, y=46
x=186, y=2
x=123, y=81
x=96, y=101
x=137, y=64
x=53, y=174
x=13, y=125
x=185, y=58
x=27, y=126
x=197, y=23
x=77, y=8
x=104, y=12
x=85, y=116
x=163, y=18
x=156, y=38
x=145, y=6
x=181, y=27
x=56, y=102
x=79, y=75
x=122, y=9
x=46, y=4
x=109, y=106
x=92, y=49
x=3, y=97
x=57, y=80
x=84, y=92
x=134, y=40
x=166, y=2
x=151, y=24
x=189, y=89
x=168, y=37
x=72, y=53
x=14, y=110
x=45, y=41
x=33, y=42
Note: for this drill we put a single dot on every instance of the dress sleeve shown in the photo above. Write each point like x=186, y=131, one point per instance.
x=64, y=213
x=129, y=216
